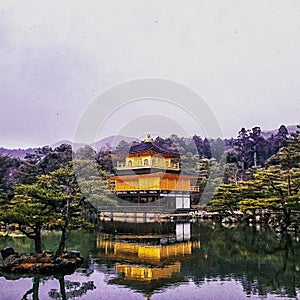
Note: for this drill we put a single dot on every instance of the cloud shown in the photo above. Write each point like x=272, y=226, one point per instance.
x=56, y=57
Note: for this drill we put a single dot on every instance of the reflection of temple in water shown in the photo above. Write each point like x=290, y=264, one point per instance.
x=147, y=260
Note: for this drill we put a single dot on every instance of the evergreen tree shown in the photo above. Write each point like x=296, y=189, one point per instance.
x=217, y=148
x=199, y=145
x=8, y=174
x=207, y=149
x=242, y=146
x=258, y=148
x=43, y=161
x=226, y=198
x=55, y=198
x=279, y=140
x=278, y=186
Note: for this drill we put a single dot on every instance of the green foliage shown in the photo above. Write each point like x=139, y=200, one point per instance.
x=211, y=176
x=189, y=163
x=226, y=198
x=35, y=205
x=275, y=187
x=93, y=183
x=42, y=162
x=8, y=168
x=56, y=199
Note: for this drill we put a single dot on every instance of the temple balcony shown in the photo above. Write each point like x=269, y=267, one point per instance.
x=143, y=188
x=140, y=165
x=120, y=187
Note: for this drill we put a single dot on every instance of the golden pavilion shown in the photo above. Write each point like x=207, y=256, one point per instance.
x=151, y=172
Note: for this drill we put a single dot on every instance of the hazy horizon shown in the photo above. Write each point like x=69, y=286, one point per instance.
x=129, y=137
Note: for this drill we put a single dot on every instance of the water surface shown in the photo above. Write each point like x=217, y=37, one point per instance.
x=167, y=261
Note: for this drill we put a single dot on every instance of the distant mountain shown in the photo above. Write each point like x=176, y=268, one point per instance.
x=18, y=153
x=267, y=133
x=112, y=141
x=75, y=146
x=106, y=143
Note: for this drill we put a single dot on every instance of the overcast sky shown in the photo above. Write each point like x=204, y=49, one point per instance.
x=241, y=57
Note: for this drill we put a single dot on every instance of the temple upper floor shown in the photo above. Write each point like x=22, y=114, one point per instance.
x=148, y=160
x=149, y=154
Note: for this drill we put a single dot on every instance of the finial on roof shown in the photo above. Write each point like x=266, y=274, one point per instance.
x=149, y=139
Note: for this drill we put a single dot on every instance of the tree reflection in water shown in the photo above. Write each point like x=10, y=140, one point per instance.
x=67, y=289
x=261, y=260
x=74, y=289
x=34, y=291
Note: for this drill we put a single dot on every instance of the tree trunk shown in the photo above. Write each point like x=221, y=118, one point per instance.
x=289, y=191
x=255, y=158
x=62, y=287
x=34, y=291
x=37, y=240
x=287, y=216
x=62, y=243
x=36, y=286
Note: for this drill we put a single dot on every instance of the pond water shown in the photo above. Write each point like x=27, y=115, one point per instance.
x=167, y=261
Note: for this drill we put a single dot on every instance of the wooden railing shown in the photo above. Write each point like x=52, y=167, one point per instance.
x=153, y=188
x=136, y=165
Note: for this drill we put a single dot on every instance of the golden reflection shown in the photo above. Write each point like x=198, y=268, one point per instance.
x=137, y=272
x=145, y=258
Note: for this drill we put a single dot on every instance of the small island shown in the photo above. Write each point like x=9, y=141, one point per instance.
x=45, y=263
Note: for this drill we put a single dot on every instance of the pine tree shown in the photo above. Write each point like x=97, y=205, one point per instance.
x=55, y=198
x=226, y=198
x=278, y=186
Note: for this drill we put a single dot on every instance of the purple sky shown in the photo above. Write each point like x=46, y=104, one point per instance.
x=241, y=57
